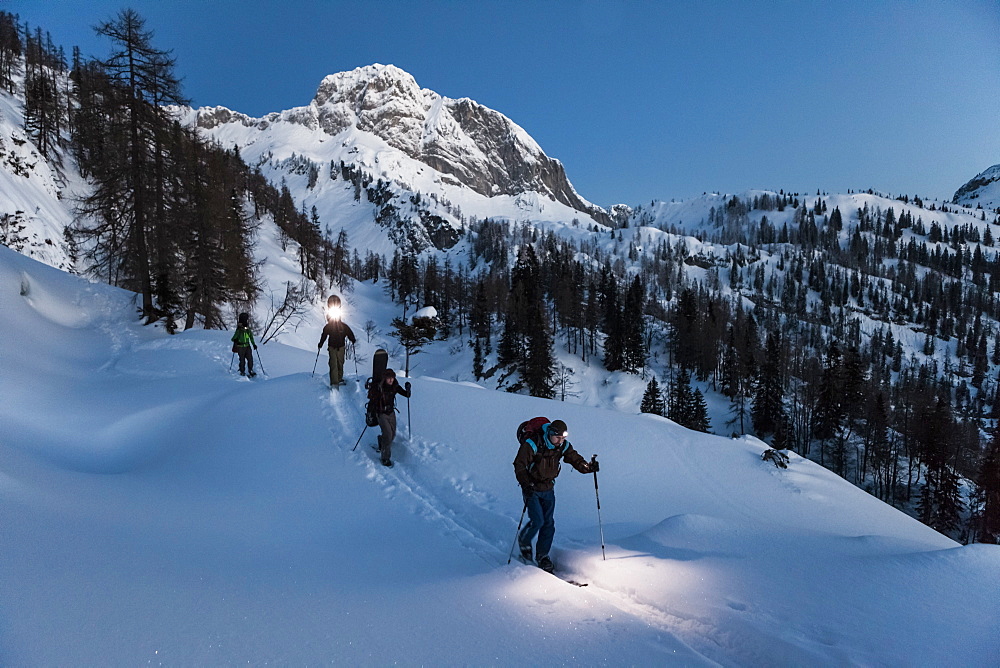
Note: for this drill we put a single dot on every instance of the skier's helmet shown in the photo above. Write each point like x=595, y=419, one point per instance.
x=244, y=319
x=333, y=309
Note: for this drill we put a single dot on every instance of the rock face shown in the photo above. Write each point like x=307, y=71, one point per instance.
x=983, y=190
x=477, y=147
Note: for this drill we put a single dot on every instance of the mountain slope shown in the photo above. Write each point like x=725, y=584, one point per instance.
x=156, y=507
x=377, y=120
x=983, y=190
x=34, y=206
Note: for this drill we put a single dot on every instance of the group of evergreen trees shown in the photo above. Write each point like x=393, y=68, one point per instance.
x=796, y=367
x=170, y=216
x=799, y=327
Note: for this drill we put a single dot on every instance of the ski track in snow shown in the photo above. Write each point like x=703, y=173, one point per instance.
x=448, y=502
x=431, y=504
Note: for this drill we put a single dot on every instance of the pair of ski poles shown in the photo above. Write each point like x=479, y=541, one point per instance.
x=354, y=351
x=233, y=359
x=409, y=426
x=599, y=522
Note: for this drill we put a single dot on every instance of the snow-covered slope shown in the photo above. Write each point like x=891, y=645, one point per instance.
x=33, y=211
x=157, y=508
x=983, y=190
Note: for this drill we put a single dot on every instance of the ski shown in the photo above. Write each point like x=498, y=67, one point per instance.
x=575, y=583
x=572, y=582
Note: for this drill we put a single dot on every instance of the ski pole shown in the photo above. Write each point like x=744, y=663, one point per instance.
x=354, y=350
x=231, y=359
x=593, y=460
x=259, y=362
x=516, y=534
x=359, y=437
x=314, y=364
x=409, y=422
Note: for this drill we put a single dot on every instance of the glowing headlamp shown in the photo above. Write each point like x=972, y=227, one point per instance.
x=334, y=312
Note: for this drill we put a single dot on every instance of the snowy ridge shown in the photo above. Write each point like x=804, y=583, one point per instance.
x=426, y=142
x=240, y=526
x=983, y=190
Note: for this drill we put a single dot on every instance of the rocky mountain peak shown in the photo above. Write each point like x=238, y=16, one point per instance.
x=479, y=147
x=471, y=144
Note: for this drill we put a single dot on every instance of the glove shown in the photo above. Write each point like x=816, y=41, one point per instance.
x=594, y=466
x=319, y=345
x=407, y=386
x=527, y=491
x=255, y=347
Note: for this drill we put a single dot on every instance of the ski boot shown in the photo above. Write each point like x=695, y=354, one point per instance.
x=546, y=564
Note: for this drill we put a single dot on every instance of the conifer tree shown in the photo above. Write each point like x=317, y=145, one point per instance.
x=526, y=343
x=414, y=335
x=145, y=77
x=633, y=354
x=699, y=413
x=652, y=398
x=11, y=49
x=44, y=108
x=680, y=402
x=768, y=403
x=613, y=323
x=989, y=483
x=940, y=503
x=539, y=367
x=828, y=414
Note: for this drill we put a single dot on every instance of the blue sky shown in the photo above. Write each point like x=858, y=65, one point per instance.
x=639, y=100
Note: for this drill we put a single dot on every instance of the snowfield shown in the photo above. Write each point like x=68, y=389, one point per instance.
x=157, y=508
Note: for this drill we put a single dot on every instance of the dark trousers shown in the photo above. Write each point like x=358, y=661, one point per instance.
x=246, y=358
x=387, y=421
x=541, y=508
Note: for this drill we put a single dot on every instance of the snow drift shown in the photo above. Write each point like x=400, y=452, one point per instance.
x=155, y=507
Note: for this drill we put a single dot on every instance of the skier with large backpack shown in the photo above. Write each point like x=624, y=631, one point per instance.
x=242, y=341
x=543, y=447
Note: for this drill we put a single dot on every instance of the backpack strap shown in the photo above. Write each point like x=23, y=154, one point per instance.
x=543, y=436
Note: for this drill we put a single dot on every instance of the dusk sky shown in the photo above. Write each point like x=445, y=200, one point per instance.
x=639, y=100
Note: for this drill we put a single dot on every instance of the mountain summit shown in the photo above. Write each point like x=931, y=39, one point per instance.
x=983, y=190
x=467, y=143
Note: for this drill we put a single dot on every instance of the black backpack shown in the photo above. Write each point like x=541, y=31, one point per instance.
x=374, y=405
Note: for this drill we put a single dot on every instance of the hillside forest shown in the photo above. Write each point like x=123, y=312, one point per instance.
x=865, y=338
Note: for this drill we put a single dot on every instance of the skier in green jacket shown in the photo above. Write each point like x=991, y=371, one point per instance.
x=242, y=341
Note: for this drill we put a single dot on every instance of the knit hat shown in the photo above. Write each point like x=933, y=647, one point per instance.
x=558, y=428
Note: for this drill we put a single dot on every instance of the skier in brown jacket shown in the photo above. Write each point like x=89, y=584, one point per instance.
x=536, y=466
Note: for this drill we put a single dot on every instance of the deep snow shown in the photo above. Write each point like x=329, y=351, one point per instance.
x=158, y=508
